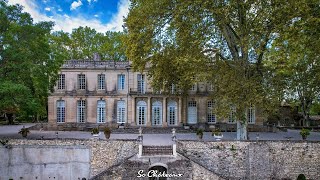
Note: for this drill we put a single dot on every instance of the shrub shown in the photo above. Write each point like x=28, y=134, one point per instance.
x=95, y=131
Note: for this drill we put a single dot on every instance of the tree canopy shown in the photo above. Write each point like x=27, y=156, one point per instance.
x=220, y=42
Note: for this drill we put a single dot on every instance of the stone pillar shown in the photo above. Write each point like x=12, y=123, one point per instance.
x=180, y=112
x=133, y=106
x=149, y=114
x=164, y=112
x=140, y=139
x=174, y=145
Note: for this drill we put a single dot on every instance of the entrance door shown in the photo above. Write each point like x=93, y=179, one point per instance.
x=192, y=112
x=157, y=113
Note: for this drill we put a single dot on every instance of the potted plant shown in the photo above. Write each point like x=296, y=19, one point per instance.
x=304, y=133
x=24, y=131
x=217, y=134
x=95, y=132
x=107, y=132
x=200, y=133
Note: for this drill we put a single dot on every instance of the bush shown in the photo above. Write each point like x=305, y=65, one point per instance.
x=95, y=131
x=301, y=177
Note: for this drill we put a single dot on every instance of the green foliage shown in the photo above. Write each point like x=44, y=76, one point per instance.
x=95, y=131
x=83, y=42
x=24, y=132
x=219, y=42
x=216, y=132
x=107, y=132
x=25, y=63
x=315, y=109
x=304, y=132
x=199, y=132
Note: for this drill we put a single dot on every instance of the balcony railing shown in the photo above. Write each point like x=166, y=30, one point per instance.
x=94, y=64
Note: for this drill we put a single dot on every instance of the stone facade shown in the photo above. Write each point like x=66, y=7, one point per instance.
x=141, y=105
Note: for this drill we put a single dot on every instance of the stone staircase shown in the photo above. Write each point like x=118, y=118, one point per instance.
x=157, y=150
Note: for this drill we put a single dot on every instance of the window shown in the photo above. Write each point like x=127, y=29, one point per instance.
x=172, y=113
x=251, y=115
x=193, y=87
x=121, y=112
x=211, y=117
x=192, y=112
x=121, y=81
x=101, y=81
x=81, y=108
x=81, y=81
x=61, y=111
x=61, y=81
x=141, y=112
x=232, y=115
x=210, y=87
x=141, y=83
x=157, y=113
x=172, y=88
x=101, y=111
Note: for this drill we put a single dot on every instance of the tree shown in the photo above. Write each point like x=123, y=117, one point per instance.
x=221, y=42
x=294, y=57
x=25, y=63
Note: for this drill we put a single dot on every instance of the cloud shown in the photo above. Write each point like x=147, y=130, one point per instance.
x=60, y=10
x=47, y=9
x=96, y=15
x=67, y=23
x=75, y=5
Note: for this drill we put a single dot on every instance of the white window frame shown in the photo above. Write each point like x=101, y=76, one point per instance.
x=211, y=117
x=81, y=81
x=101, y=111
x=81, y=111
x=156, y=113
x=61, y=111
x=251, y=115
x=121, y=81
x=232, y=115
x=61, y=82
x=101, y=81
x=141, y=113
x=172, y=113
x=121, y=111
x=141, y=83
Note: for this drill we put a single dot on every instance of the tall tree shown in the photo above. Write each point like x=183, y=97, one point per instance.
x=25, y=63
x=294, y=58
x=222, y=42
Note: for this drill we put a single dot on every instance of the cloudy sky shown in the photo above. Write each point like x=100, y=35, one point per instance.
x=102, y=15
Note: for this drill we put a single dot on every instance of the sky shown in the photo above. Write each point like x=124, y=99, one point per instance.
x=101, y=15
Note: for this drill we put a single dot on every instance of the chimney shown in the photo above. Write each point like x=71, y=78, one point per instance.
x=96, y=57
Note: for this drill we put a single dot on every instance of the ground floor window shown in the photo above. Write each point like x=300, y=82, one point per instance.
x=141, y=112
x=192, y=112
x=121, y=112
x=251, y=117
x=157, y=113
x=81, y=108
x=61, y=111
x=211, y=117
x=232, y=115
x=172, y=113
x=101, y=111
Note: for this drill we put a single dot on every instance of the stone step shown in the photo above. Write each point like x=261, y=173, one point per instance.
x=156, y=150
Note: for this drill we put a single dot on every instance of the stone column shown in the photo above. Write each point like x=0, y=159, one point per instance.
x=149, y=110
x=180, y=112
x=164, y=112
x=133, y=106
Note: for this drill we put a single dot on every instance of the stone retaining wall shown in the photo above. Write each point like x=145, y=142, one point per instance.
x=30, y=155
x=255, y=160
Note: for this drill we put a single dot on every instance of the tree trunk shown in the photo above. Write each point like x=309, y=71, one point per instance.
x=10, y=118
x=242, y=132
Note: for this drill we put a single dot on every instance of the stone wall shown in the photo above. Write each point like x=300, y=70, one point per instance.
x=59, y=159
x=255, y=160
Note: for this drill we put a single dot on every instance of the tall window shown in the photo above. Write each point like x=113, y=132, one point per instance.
x=141, y=112
x=81, y=111
x=101, y=111
x=232, y=115
x=251, y=117
x=141, y=83
x=210, y=87
x=101, y=81
x=121, y=81
x=193, y=87
x=192, y=112
x=61, y=81
x=61, y=111
x=172, y=112
x=211, y=117
x=172, y=88
x=81, y=81
x=156, y=113
x=121, y=112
